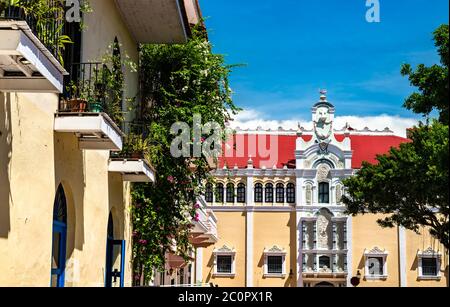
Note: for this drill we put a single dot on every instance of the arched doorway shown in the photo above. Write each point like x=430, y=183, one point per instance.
x=59, y=238
x=115, y=257
x=324, y=284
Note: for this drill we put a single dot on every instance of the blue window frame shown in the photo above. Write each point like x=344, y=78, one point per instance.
x=115, y=258
x=59, y=239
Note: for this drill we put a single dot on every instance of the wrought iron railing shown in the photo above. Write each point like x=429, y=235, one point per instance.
x=48, y=28
x=84, y=88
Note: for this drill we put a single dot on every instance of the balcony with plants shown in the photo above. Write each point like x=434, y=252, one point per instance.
x=204, y=229
x=133, y=162
x=32, y=47
x=92, y=104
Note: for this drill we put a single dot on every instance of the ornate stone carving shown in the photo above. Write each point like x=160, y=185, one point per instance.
x=323, y=123
x=324, y=230
x=322, y=172
x=338, y=193
x=376, y=251
x=308, y=194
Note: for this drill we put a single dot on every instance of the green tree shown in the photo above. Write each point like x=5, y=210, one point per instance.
x=410, y=183
x=178, y=81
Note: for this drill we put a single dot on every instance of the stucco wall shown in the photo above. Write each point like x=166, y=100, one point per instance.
x=231, y=229
x=274, y=229
x=27, y=188
x=422, y=241
x=367, y=234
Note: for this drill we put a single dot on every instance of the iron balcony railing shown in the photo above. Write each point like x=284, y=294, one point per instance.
x=48, y=28
x=84, y=88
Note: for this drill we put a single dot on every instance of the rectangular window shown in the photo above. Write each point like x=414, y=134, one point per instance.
x=274, y=265
x=429, y=267
x=224, y=264
x=324, y=193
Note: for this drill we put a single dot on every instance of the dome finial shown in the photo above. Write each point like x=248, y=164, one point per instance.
x=323, y=94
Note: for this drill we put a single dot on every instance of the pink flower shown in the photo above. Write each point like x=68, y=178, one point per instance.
x=170, y=179
x=143, y=242
x=135, y=233
x=203, y=139
x=196, y=218
x=197, y=206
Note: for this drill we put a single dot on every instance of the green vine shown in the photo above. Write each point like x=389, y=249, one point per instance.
x=178, y=81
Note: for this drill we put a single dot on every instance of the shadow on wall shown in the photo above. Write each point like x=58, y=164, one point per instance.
x=69, y=170
x=5, y=158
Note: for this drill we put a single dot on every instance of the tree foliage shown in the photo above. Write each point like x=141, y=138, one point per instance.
x=432, y=82
x=178, y=81
x=410, y=183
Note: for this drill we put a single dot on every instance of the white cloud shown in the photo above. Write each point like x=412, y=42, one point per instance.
x=252, y=119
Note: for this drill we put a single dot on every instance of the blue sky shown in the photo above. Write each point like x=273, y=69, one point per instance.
x=292, y=48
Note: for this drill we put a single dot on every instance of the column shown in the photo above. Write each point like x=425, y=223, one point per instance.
x=249, y=248
x=300, y=257
x=199, y=265
x=402, y=255
x=348, y=237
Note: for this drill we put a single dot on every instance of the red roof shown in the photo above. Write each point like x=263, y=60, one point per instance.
x=365, y=148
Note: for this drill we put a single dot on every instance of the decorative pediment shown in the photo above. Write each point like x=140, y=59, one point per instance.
x=275, y=250
x=376, y=251
x=429, y=252
x=224, y=250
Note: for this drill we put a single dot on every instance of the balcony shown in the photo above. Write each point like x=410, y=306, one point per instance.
x=160, y=21
x=29, y=49
x=133, y=169
x=204, y=232
x=84, y=108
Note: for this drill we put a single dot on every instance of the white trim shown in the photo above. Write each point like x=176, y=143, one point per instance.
x=375, y=253
x=402, y=255
x=24, y=43
x=275, y=251
x=198, y=265
x=349, y=251
x=225, y=251
x=95, y=130
x=132, y=170
x=249, y=249
x=429, y=253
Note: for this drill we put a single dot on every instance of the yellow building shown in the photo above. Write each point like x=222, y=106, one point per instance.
x=280, y=221
x=64, y=201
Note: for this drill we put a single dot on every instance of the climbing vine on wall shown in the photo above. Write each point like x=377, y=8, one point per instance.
x=177, y=81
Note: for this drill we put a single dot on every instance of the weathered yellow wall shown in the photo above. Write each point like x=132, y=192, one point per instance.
x=366, y=235
x=274, y=228
x=231, y=229
x=422, y=241
x=27, y=188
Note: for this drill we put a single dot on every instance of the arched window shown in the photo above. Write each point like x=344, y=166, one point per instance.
x=209, y=193
x=219, y=193
x=59, y=238
x=230, y=193
x=324, y=193
x=280, y=193
x=290, y=193
x=258, y=193
x=268, y=197
x=241, y=193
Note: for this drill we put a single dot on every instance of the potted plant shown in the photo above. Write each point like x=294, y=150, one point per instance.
x=78, y=98
x=135, y=146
